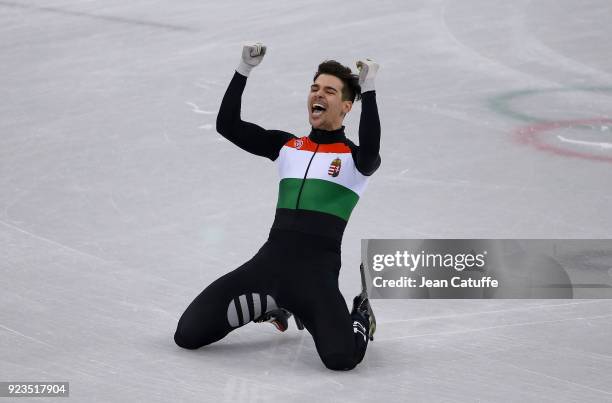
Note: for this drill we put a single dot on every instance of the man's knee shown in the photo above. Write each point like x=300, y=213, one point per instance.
x=183, y=339
x=339, y=362
x=193, y=337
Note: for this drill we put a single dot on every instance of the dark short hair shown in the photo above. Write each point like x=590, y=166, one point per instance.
x=351, y=89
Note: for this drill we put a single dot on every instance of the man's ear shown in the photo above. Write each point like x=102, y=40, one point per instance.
x=346, y=107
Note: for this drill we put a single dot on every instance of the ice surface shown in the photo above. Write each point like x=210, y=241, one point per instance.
x=120, y=202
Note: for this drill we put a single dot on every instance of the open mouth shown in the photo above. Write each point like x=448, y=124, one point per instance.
x=317, y=109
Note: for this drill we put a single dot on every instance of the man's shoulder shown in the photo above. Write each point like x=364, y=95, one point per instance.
x=352, y=146
x=367, y=170
x=282, y=134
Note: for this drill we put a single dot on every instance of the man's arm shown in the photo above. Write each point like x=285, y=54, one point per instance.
x=248, y=136
x=367, y=158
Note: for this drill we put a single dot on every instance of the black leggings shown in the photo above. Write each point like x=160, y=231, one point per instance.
x=294, y=271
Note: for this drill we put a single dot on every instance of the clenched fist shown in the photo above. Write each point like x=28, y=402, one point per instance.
x=367, y=73
x=252, y=55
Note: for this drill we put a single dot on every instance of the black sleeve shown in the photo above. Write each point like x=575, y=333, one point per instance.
x=248, y=136
x=366, y=156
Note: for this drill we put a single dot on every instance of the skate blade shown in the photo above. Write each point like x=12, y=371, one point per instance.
x=298, y=323
x=372, y=322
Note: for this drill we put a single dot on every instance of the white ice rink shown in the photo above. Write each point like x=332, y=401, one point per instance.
x=119, y=202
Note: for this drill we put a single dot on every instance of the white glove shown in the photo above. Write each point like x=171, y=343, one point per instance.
x=367, y=73
x=252, y=55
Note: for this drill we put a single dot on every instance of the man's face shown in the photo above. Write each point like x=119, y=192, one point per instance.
x=326, y=109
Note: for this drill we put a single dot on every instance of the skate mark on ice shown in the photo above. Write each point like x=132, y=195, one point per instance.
x=196, y=109
x=602, y=145
x=531, y=371
x=480, y=58
x=529, y=48
x=110, y=18
x=207, y=84
x=494, y=327
x=115, y=206
x=510, y=342
x=77, y=251
x=25, y=336
x=41, y=238
x=529, y=308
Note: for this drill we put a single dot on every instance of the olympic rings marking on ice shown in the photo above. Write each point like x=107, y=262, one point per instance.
x=501, y=103
x=532, y=135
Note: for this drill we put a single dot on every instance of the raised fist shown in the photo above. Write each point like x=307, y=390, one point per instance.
x=367, y=73
x=252, y=55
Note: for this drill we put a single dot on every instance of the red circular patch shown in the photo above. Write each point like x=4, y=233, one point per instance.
x=534, y=133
